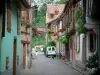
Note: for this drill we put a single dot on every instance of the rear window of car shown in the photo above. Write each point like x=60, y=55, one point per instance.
x=53, y=49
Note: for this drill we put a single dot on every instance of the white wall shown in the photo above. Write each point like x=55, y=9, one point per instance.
x=60, y=26
x=57, y=46
x=79, y=51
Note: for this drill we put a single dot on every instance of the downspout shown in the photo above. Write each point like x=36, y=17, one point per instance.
x=0, y=34
x=99, y=44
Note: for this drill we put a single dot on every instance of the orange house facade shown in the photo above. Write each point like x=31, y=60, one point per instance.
x=26, y=39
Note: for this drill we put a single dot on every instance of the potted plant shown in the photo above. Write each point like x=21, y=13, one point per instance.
x=92, y=61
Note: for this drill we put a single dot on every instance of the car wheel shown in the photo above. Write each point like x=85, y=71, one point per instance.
x=46, y=55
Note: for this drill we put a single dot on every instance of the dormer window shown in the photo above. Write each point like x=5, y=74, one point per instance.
x=56, y=12
x=51, y=15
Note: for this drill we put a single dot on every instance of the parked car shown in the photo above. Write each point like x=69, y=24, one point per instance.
x=51, y=51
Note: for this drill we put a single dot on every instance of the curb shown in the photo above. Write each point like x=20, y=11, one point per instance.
x=76, y=69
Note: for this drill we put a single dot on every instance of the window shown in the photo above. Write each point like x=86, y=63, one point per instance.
x=18, y=22
x=9, y=16
x=49, y=49
x=92, y=42
x=53, y=49
x=3, y=21
x=51, y=15
x=93, y=9
x=89, y=6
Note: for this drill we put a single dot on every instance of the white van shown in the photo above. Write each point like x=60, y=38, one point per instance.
x=51, y=51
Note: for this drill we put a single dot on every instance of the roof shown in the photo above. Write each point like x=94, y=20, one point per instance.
x=51, y=10
x=61, y=15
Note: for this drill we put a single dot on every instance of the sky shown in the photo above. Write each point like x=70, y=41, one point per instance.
x=40, y=2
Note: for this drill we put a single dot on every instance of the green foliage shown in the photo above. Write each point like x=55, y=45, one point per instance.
x=79, y=19
x=52, y=43
x=23, y=22
x=38, y=39
x=40, y=20
x=28, y=25
x=61, y=2
x=92, y=61
x=64, y=38
x=49, y=35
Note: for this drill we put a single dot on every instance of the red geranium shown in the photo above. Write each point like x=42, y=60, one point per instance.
x=54, y=34
x=62, y=29
x=35, y=31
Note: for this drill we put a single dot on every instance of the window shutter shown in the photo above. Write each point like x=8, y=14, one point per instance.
x=3, y=20
x=18, y=22
x=9, y=17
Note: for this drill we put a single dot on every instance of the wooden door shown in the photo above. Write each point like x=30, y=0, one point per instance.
x=14, y=56
x=24, y=56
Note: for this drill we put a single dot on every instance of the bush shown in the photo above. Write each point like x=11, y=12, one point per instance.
x=52, y=43
x=92, y=61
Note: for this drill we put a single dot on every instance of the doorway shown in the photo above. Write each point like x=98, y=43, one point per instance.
x=14, y=55
x=24, y=56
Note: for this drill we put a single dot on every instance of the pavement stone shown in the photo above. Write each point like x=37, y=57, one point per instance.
x=84, y=72
x=48, y=66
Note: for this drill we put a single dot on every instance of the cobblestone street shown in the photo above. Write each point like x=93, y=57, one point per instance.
x=48, y=66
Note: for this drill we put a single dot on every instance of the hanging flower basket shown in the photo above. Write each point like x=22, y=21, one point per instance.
x=35, y=31
x=54, y=34
x=62, y=29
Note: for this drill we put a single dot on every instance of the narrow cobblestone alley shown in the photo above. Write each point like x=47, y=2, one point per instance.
x=48, y=66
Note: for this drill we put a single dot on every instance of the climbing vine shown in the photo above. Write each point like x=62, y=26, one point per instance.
x=64, y=38
x=49, y=35
x=79, y=19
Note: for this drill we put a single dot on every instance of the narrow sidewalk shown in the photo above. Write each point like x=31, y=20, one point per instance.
x=84, y=72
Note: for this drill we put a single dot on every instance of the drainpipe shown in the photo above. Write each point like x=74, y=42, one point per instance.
x=99, y=45
x=0, y=35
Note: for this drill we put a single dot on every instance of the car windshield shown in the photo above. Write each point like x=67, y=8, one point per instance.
x=49, y=49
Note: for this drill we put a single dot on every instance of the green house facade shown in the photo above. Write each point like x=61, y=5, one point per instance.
x=10, y=37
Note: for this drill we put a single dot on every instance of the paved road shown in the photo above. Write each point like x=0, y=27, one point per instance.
x=48, y=66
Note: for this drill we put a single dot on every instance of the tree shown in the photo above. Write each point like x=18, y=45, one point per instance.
x=40, y=20
x=52, y=43
x=61, y=2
